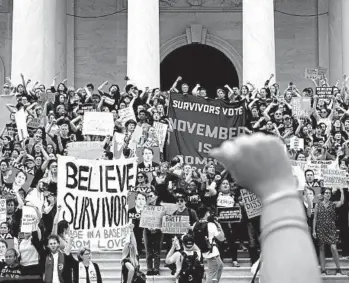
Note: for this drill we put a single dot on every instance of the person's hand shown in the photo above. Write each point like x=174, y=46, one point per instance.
x=179, y=78
x=272, y=76
x=226, y=86
x=257, y=162
x=131, y=226
x=160, y=179
x=217, y=178
x=314, y=235
x=22, y=75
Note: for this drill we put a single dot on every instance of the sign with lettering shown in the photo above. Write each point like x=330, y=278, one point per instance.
x=296, y=143
x=324, y=92
x=151, y=217
x=3, y=210
x=335, y=178
x=311, y=74
x=197, y=125
x=253, y=205
x=93, y=196
x=29, y=219
x=229, y=214
x=86, y=149
x=301, y=106
x=20, y=177
x=126, y=114
x=175, y=224
x=161, y=133
x=98, y=123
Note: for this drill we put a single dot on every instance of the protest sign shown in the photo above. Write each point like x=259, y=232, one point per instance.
x=11, y=129
x=29, y=219
x=98, y=123
x=335, y=178
x=3, y=210
x=299, y=178
x=175, y=224
x=225, y=201
x=20, y=177
x=34, y=123
x=318, y=166
x=229, y=214
x=322, y=72
x=296, y=143
x=87, y=107
x=118, y=145
x=311, y=74
x=161, y=132
x=21, y=123
x=301, y=106
x=86, y=150
x=253, y=204
x=126, y=114
x=151, y=217
x=324, y=92
x=170, y=208
x=132, y=192
x=93, y=196
x=148, y=159
x=197, y=125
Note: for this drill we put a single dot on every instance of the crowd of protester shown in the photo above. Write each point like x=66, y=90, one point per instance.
x=47, y=250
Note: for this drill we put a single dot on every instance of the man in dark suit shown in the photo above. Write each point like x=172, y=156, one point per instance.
x=148, y=165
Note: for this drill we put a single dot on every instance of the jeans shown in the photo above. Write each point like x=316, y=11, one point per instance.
x=139, y=237
x=153, y=242
x=231, y=235
x=214, y=270
x=253, y=230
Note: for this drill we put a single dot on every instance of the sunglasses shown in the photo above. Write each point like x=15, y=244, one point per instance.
x=140, y=177
x=180, y=200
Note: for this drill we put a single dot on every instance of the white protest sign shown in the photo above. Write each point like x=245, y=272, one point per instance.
x=21, y=122
x=301, y=106
x=3, y=210
x=126, y=114
x=98, y=123
x=318, y=166
x=225, y=201
x=86, y=149
x=93, y=196
x=311, y=74
x=299, y=178
x=175, y=224
x=118, y=144
x=335, y=178
x=161, y=132
x=29, y=219
x=151, y=217
x=170, y=208
x=253, y=205
x=296, y=143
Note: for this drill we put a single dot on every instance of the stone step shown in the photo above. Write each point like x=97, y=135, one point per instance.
x=225, y=279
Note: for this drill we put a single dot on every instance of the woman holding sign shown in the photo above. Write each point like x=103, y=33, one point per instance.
x=324, y=227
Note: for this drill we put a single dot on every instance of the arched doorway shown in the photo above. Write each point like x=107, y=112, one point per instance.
x=198, y=63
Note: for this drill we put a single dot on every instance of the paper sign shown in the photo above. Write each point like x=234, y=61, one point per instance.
x=229, y=214
x=175, y=224
x=20, y=176
x=335, y=178
x=86, y=150
x=301, y=106
x=296, y=143
x=225, y=201
x=324, y=92
x=29, y=219
x=98, y=123
x=311, y=74
x=170, y=208
x=253, y=205
x=3, y=210
x=161, y=133
x=126, y=114
x=151, y=217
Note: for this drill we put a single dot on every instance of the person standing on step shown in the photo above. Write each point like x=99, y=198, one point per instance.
x=206, y=233
x=88, y=271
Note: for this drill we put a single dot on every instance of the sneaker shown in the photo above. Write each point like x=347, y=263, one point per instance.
x=156, y=272
x=236, y=264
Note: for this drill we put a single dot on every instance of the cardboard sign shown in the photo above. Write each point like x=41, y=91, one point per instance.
x=335, y=178
x=151, y=217
x=175, y=224
x=161, y=133
x=148, y=159
x=301, y=106
x=311, y=74
x=20, y=176
x=253, y=205
x=98, y=123
x=324, y=92
x=229, y=214
x=170, y=208
x=29, y=219
x=126, y=114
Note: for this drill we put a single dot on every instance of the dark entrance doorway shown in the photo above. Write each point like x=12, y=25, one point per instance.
x=197, y=63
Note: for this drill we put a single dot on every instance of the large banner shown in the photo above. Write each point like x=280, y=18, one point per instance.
x=93, y=196
x=197, y=125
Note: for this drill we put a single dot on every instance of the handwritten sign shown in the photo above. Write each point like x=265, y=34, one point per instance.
x=170, y=208
x=126, y=114
x=29, y=219
x=3, y=210
x=311, y=74
x=98, y=123
x=161, y=132
x=324, y=92
x=151, y=217
x=175, y=224
x=296, y=143
x=301, y=106
x=334, y=178
x=85, y=150
x=253, y=205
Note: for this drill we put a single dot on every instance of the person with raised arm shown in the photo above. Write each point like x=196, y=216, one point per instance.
x=260, y=164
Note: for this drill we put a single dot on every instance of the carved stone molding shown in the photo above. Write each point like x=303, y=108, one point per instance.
x=214, y=41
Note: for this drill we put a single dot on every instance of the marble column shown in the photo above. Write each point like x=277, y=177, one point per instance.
x=345, y=36
x=258, y=41
x=143, y=43
x=335, y=40
x=39, y=40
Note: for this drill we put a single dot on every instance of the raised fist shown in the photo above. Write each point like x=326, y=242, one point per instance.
x=257, y=162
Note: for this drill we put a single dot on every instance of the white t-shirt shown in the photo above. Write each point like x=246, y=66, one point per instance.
x=55, y=277
x=212, y=233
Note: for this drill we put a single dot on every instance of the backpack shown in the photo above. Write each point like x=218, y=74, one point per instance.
x=192, y=270
x=200, y=233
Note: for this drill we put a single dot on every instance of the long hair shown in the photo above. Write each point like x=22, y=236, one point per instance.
x=130, y=252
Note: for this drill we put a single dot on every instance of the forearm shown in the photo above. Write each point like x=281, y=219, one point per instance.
x=277, y=244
